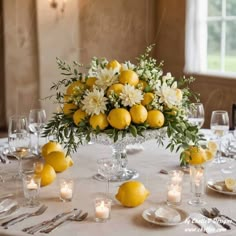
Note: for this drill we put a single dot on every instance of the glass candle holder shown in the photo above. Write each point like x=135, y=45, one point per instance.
x=31, y=187
x=66, y=189
x=102, y=208
x=176, y=176
x=174, y=194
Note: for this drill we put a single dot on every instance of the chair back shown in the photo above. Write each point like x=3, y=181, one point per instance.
x=233, y=124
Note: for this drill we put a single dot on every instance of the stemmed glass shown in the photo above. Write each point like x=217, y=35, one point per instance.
x=108, y=167
x=220, y=126
x=196, y=114
x=19, y=138
x=37, y=119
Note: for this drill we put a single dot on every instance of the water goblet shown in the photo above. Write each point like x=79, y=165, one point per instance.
x=196, y=114
x=219, y=126
x=37, y=119
x=108, y=167
x=18, y=139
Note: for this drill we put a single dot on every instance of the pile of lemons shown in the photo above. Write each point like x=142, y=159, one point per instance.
x=55, y=160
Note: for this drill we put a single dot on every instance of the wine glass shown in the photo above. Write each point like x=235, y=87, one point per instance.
x=219, y=126
x=37, y=119
x=18, y=139
x=196, y=114
x=108, y=167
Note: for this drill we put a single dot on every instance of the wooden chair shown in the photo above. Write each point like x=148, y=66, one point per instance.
x=233, y=122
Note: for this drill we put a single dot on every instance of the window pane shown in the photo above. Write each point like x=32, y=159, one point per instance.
x=214, y=7
x=213, y=45
x=230, y=57
x=231, y=8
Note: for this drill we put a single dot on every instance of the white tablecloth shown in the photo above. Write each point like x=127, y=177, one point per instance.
x=124, y=221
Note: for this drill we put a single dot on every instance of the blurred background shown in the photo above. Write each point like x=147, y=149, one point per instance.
x=34, y=32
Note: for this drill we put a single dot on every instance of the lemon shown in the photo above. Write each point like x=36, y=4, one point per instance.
x=212, y=146
x=99, y=120
x=209, y=155
x=147, y=98
x=79, y=116
x=71, y=89
x=69, y=161
x=129, y=77
x=51, y=146
x=230, y=184
x=132, y=194
x=57, y=160
x=116, y=88
x=119, y=118
x=114, y=64
x=197, y=155
x=91, y=81
x=47, y=175
x=69, y=108
x=138, y=114
x=142, y=84
x=155, y=119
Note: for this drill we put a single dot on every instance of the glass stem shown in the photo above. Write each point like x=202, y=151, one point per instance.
x=108, y=186
x=20, y=167
x=37, y=145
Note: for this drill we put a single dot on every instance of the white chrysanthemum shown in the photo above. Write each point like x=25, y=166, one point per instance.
x=94, y=102
x=130, y=95
x=170, y=95
x=107, y=77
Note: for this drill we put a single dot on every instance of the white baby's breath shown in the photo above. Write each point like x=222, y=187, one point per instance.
x=94, y=102
x=130, y=95
x=106, y=77
x=127, y=66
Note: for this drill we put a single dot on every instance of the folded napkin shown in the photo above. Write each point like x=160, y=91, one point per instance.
x=167, y=215
x=6, y=205
x=209, y=226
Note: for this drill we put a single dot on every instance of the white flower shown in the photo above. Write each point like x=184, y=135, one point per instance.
x=94, y=102
x=170, y=95
x=130, y=96
x=127, y=66
x=106, y=77
x=167, y=78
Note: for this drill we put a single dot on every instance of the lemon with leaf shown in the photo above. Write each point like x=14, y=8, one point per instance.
x=79, y=116
x=69, y=108
x=50, y=147
x=73, y=86
x=147, y=98
x=99, y=121
x=116, y=88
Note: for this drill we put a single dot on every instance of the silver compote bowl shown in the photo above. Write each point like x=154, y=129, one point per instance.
x=119, y=151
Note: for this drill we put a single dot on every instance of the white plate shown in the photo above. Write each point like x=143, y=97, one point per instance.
x=149, y=215
x=213, y=186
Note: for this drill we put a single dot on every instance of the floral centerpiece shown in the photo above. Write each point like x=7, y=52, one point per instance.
x=117, y=99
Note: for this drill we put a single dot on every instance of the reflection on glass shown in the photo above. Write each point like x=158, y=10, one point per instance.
x=196, y=114
x=214, y=7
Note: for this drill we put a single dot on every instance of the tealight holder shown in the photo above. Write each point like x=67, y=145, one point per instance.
x=174, y=194
x=66, y=189
x=31, y=188
x=102, y=208
x=176, y=176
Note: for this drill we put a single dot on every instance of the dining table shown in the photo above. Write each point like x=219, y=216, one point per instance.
x=148, y=162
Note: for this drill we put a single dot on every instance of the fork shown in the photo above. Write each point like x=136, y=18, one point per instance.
x=24, y=216
x=209, y=215
x=216, y=212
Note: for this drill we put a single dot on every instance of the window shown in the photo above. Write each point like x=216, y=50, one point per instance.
x=211, y=37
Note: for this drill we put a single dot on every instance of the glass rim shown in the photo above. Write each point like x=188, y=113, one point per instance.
x=219, y=111
x=14, y=117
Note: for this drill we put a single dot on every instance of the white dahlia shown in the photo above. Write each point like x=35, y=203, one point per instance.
x=130, y=95
x=94, y=102
x=106, y=77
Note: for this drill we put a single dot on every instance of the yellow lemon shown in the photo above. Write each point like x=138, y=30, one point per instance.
x=116, y=88
x=69, y=161
x=197, y=155
x=114, y=64
x=129, y=77
x=78, y=116
x=147, y=98
x=155, y=119
x=71, y=89
x=57, y=160
x=132, y=194
x=69, y=108
x=119, y=118
x=51, y=146
x=142, y=84
x=47, y=175
x=91, y=81
x=230, y=184
x=138, y=114
x=99, y=120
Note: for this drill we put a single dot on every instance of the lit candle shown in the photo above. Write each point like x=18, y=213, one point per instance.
x=32, y=185
x=174, y=194
x=66, y=192
x=102, y=211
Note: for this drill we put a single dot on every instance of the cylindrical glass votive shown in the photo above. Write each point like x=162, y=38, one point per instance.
x=66, y=189
x=176, y=176
x=174, y=194
x=102, y=208
x=31, y=187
